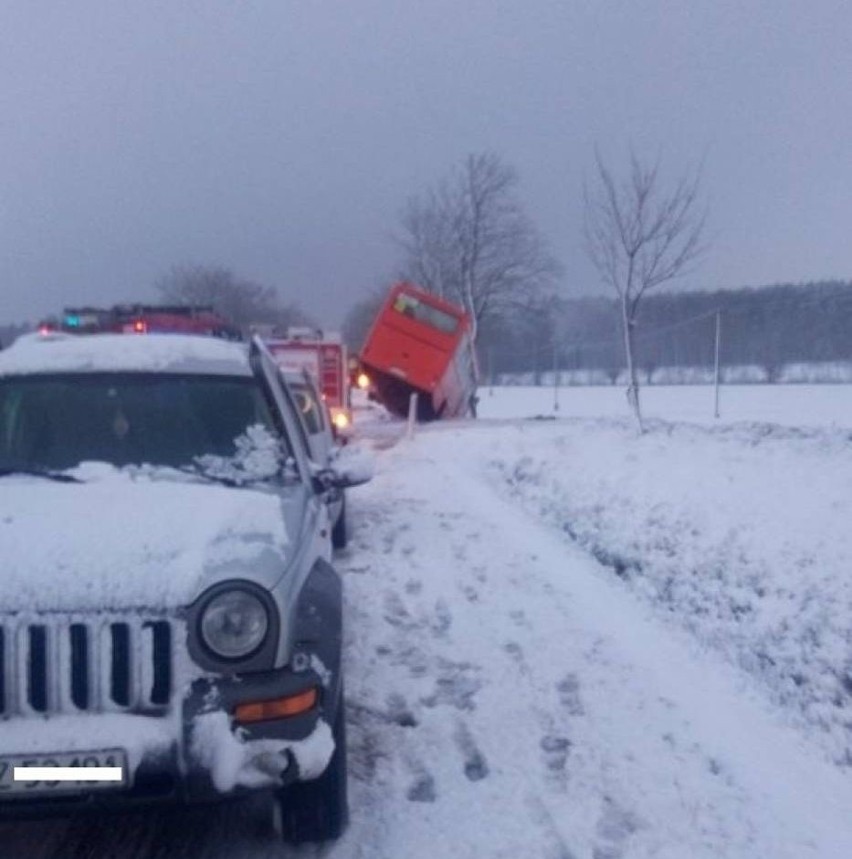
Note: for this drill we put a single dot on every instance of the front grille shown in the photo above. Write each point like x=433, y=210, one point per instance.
x=68, y=665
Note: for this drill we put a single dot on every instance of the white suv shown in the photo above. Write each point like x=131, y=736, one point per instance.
x=167, y=606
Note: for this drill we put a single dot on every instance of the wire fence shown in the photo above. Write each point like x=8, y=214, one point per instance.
x=730, y=336
x=564, y=355
x=686, y=351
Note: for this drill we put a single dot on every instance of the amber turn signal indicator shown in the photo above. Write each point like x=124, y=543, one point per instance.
x=277, y=708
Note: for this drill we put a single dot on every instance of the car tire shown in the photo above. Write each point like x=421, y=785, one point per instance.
x=340, y=533
x=318, y=810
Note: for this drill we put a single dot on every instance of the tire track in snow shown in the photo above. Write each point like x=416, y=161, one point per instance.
x=420, y=651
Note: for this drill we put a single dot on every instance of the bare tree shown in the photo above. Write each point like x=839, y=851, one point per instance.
x=242, y=301
x=359, y=319
x=469, y=240
x=640, y=235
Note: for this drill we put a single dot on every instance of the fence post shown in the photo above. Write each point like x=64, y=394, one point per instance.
x=412, y=416
x=555, y=378
x=716, y=363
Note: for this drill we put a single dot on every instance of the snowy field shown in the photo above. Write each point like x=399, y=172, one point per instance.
x=568, y=641
x=791, y=405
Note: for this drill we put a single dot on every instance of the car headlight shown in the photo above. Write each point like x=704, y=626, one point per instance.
x=234, y=624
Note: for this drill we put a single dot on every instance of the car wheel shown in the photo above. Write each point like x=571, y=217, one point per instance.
x=317, y=810
x=340, y=533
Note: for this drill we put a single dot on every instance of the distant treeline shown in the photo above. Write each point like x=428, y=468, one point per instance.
x=768, y=327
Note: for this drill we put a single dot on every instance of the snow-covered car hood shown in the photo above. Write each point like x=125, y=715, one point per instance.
x=119, y=541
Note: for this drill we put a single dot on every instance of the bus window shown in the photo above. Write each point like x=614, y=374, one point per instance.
x=412, y=307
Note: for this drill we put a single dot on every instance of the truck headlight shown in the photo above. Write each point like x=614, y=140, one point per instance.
x=234, y=624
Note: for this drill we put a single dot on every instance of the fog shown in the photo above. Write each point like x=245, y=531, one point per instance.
x=281, y=139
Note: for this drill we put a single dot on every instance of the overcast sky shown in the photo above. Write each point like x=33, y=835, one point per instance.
x=281, y=138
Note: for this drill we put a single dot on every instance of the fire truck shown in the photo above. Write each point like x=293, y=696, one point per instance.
x=421, y=344
x=323, y=355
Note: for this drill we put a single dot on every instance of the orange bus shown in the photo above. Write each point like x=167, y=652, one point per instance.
x=421, y=344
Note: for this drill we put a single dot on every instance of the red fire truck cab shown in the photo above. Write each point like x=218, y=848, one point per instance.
x=323, y=355
x=421, y=344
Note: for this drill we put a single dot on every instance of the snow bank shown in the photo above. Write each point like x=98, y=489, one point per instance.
x=831, y=372
x=740, y=535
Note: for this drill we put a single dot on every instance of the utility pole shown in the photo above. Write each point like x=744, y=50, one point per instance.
x=490, y=371
x=716, y=363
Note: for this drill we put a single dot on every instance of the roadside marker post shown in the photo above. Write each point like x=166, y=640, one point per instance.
x=716, y=363
x=412, y=416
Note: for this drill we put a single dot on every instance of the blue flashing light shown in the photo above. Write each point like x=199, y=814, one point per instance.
x=72, y=321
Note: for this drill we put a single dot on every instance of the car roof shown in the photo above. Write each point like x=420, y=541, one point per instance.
x=294, y=378
x=124, y=353
x=297, y=377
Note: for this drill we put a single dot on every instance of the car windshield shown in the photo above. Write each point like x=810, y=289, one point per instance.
x=56, y=422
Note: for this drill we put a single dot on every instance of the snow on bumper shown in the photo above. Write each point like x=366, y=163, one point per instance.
x=232, y=761
x=140, y=737
x=200, y=759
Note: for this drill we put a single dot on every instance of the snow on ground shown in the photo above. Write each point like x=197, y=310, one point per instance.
x=512, y=696
x=791, y=405
x=739, y=537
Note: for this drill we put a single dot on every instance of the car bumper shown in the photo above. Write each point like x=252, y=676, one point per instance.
x=193, y=754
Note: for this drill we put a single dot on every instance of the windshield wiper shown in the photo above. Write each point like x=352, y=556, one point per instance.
x=58, y=476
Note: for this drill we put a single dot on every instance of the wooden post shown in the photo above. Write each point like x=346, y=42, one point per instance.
x=716, y=363
x=412, y=416
x=555, y=378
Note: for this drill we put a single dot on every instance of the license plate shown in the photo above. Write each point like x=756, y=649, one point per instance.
x=101, y=758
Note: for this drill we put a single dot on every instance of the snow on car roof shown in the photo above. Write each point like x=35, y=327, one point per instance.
x=70, y=353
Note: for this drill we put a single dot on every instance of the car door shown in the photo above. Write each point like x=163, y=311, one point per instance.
x=317, y=429
x=265, y=368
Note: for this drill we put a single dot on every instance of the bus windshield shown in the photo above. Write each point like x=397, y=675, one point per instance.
x=414, y=308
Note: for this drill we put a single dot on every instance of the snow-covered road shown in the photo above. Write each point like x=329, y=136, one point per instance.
x=509, y=696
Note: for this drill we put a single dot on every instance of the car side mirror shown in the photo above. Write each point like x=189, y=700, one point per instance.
x=348, y=467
